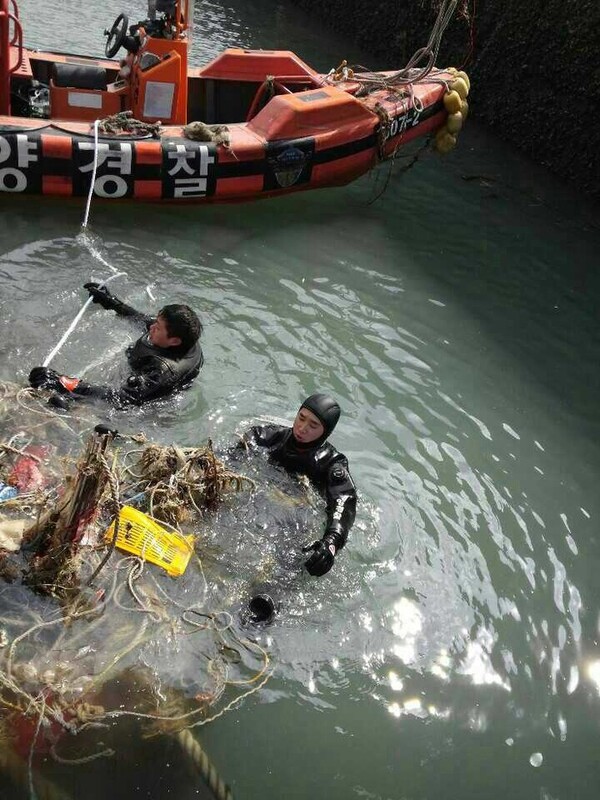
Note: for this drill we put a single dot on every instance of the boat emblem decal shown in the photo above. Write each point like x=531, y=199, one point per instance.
x=288, y=166
x=288, y=163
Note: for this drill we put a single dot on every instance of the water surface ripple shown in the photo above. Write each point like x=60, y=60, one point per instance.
x=456, y=321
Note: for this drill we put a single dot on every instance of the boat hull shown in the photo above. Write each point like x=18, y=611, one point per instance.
x=306, y=140
x=249, y=124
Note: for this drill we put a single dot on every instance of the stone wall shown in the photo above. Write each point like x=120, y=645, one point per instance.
x=534, y=67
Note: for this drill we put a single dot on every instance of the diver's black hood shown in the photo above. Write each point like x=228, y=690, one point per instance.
x=326, y=409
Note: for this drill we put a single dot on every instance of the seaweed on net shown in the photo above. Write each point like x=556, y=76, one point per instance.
x=62, y=655
x=36, y=471
x=183, y=482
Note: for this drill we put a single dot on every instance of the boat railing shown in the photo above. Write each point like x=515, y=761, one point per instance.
x=8, y=16
x=15, y=13
x=263, y=94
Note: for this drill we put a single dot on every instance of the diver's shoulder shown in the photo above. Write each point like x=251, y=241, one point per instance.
x=329, y=452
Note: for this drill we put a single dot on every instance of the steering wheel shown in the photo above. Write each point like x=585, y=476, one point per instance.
x=116, y=35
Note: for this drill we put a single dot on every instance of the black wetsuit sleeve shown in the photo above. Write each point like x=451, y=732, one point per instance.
x=262, y=436
x=152, y=381
x=340, y=493
x=123, y=310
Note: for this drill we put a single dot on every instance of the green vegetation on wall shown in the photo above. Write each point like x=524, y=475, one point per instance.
x=535, y=67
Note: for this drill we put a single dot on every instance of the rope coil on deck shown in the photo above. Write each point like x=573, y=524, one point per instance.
x=123, y=122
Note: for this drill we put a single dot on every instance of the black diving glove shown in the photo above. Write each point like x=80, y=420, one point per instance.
x=47, y=378
x=322, y=558
x=61, y=401
x=102, y=296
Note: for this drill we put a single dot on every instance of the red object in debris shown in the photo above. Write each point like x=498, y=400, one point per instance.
x=26, y=474
x=23, y=730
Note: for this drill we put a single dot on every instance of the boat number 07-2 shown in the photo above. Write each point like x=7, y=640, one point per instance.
x=402, y=122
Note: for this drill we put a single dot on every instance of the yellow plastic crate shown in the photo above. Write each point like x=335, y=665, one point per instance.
x=144, y=537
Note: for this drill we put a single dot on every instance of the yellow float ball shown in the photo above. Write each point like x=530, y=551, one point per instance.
x=464, y=109
x=460, y=87
x=444, y=140
x=462, y=74
x=452, y=102
x=454, y=122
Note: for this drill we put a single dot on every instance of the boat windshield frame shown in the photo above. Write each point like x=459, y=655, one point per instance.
x=189, y=10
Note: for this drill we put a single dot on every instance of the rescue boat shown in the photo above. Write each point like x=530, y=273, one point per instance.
x=249, y=124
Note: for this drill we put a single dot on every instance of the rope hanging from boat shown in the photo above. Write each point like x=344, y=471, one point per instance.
x=84, y=226
x=80, y=314
x=413, y=72
x=431, y=50
x=93, y=180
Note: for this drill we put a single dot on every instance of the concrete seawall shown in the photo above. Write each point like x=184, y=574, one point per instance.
x=534, y=67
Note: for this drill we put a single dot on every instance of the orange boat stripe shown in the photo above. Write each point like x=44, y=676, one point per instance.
x=57, y=146
x=57, y=184
x=148, y=153
x=149, y=190
x=250, y=184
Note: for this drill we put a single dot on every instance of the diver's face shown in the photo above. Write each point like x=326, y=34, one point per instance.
x=307, y=427
x=159, y=335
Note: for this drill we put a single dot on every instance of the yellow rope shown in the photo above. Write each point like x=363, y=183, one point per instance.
x=260, y=673
x=232, y=703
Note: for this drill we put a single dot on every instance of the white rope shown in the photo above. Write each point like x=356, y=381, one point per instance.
x=92, y=244
x=93, y=251
x=93, y=181
x=73, y=325
x=32, y=793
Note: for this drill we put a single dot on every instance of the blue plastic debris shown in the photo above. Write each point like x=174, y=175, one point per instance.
x=7, y=492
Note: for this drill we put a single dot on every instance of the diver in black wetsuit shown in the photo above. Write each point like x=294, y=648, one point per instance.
x=166, y=358
x=304, y=449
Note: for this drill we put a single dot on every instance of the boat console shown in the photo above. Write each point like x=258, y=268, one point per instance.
x=150, y=81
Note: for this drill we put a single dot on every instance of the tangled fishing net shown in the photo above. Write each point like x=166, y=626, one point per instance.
x=90, y=634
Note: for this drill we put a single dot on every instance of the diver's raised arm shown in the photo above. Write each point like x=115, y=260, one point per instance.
x=110, y=302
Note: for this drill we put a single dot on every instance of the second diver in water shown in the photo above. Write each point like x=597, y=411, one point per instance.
x=303, y=449
x=164, y=359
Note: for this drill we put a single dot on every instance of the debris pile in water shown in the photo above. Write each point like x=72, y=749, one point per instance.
x=88, y=635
